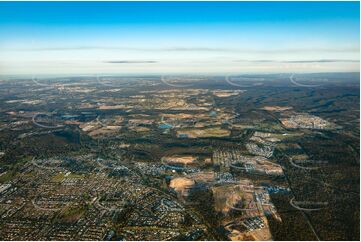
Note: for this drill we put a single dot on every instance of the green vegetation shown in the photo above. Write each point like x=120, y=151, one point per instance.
x=73, y=213
x=8, y=176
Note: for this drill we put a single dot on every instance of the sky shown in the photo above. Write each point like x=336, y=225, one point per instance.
x=66, y=38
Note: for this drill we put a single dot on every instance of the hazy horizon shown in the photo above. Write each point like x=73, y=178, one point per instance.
x=75, y=38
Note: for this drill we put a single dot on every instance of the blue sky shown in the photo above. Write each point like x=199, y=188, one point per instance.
x=178, y=37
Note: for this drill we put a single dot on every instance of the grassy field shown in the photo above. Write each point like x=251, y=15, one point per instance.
x=204, y=133
x=61, y=176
